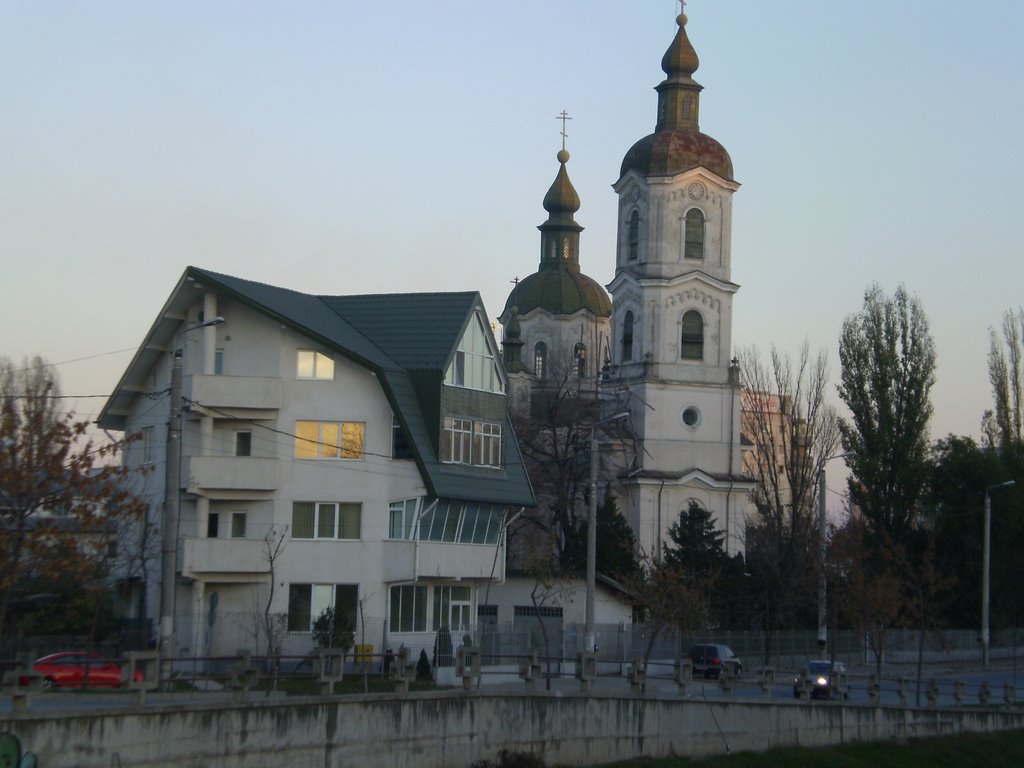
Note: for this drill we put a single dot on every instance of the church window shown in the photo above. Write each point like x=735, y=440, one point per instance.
x=540, y=357
x=627, y=338
x=687, y=107
x=694, y=248
x=565, y=249
x=579, y=360
x=634, y=236
x=692, y=347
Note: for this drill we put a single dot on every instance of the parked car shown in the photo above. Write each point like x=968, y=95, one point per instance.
x=710, y=659
x=824, y=677
x=71, y=669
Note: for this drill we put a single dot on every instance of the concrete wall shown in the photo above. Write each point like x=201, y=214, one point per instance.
x=450, y=730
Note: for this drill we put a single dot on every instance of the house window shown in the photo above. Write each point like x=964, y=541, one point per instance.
x=314, y=365
x=451, y=607
x=326, y=520
x=238, y=525
x=400, y=448
x=408, y=609
x=147, y=445
x=212, y=525
x=692, y=343
x=634, y=236
x=471, y=442
x=475, y=365
x=540, y=358
x=218, y=362
x=579, y=360
x=694, y=248
x=329, y=439
x=243, y=443
x=454, y=521
x=403, y=517
x=307, y=601
x=627, y=338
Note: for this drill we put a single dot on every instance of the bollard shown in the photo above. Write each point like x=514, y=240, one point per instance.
x=146, y=662
x=638, y=676
x=804, y=686
x=726, y=680
x=586, y=669
x=330, y=667
x=1009, y=694
x=403, y=671
x=766, y=680
x=684, y=674
x=467, y=665
x=529, y=670
x=903, y=691
x=984, y=693
x=874, y=688
x=840, y=686
x=932, y=693
x=958, y=692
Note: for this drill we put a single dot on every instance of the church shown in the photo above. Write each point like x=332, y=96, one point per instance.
x=661, y=347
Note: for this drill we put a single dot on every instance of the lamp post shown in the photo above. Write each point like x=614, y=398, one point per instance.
x=588, y=640
x=986, y=546
x=172, y=487
x=822, y=531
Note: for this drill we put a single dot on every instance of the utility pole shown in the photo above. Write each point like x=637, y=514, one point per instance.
x=169, y=548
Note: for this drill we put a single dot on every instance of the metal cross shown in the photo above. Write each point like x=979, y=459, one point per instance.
x=563, y=117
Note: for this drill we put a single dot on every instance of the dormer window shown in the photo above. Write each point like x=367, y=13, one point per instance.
x=475, y=364
x=694, y=247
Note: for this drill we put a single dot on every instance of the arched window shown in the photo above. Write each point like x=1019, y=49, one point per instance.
x=579, y=359
x=634, y=236
x=694, y=234
x=692, y=346
x=540, y=358
x=627, y=338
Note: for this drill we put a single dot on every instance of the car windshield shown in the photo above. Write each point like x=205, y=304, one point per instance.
x=819, y=667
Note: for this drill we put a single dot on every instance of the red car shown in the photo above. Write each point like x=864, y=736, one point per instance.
x=71, y=669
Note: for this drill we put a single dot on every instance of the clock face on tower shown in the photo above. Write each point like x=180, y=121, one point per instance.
x=696, y=191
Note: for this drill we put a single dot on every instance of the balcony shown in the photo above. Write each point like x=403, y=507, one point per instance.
x=201, y=557
x=235, y=392
x=229, y=473
x=440, y=560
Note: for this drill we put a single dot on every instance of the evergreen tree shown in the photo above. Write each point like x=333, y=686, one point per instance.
x=616, y=545
x=695, y=547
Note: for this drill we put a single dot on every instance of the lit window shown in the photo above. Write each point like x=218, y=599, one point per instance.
x=326, y=520
x=314, y=365
x=627, y=338
x=692, y=346
x=474, y=365
x=329, y=439
x=694, y=248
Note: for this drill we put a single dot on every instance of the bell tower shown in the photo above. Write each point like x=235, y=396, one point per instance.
x=672, y=299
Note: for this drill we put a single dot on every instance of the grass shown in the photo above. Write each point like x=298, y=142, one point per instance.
x=1000, y=750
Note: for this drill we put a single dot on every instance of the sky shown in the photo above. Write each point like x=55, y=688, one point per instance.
x=343, y=147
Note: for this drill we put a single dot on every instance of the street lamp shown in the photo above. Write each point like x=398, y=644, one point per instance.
x=588, y=641
x=822, y=530
x=986, y=546
x=172, y=487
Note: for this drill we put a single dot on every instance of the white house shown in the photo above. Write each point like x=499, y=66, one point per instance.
x=346, y=451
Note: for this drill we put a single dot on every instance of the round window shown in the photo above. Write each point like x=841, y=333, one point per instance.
x=691, y=417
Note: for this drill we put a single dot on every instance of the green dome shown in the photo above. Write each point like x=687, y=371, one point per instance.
x=560, y=292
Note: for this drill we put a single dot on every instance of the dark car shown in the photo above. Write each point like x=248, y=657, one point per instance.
x=824, y=677
x=710, y=659
x=71, y=669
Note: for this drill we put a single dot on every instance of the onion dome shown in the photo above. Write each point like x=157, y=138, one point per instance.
x=558, y=286
x=677, y=145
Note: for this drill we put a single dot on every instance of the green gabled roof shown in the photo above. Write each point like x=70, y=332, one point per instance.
x=392, y=335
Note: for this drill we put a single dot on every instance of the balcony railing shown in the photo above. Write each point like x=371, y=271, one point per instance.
x=206, y=556
x=231, y=473
x=235, y=392
x=441, y=560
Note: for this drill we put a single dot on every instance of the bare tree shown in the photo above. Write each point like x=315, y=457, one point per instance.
x=794, y=431
x=274, y=623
